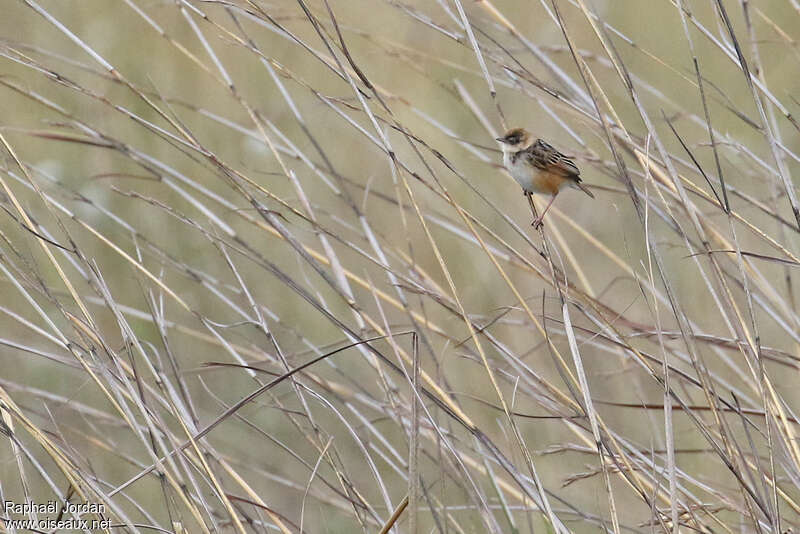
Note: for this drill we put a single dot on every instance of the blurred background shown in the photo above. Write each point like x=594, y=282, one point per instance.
x=200, y=196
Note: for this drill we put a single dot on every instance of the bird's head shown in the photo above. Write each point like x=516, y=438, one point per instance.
x=515, y=139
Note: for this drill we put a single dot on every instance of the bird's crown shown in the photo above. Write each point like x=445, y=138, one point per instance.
x=516, y=137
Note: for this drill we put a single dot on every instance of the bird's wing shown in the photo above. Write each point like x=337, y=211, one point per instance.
x=543, y=156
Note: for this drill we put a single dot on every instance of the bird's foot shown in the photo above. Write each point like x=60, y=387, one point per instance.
x=537, y=223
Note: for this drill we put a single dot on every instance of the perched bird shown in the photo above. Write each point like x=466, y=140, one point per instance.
x=538, y=167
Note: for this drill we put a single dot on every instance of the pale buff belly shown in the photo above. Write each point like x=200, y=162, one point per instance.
x=535, y=181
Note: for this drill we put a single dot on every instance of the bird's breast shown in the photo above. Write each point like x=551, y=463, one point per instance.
x=524, y=175
x=532, y=179
x=519, y=170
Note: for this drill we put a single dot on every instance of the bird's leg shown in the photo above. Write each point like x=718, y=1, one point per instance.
x=538, y=221
x=529, y=196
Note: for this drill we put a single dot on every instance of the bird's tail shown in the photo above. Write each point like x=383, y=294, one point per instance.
x=583, y=188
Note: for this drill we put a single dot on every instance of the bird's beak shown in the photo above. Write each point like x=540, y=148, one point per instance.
x=500, y=139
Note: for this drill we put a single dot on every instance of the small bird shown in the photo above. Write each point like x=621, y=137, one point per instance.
x=538, y=167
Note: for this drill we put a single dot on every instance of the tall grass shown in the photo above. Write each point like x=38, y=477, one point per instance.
x=262, y=270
